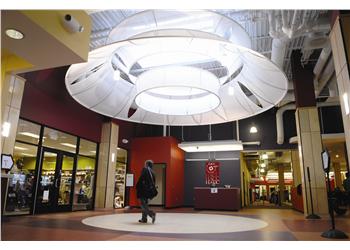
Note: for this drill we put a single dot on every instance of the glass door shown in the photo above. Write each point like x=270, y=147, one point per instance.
x=65, y=182
x=54, y=192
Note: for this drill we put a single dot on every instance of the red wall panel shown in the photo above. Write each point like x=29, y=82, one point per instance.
x=160, y=150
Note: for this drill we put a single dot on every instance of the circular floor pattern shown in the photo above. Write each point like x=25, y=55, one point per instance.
x=177, y=223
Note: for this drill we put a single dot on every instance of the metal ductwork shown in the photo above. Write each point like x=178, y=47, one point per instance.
x=279, y=122
x=285, y=25
x=278, y=51
x=279, y=117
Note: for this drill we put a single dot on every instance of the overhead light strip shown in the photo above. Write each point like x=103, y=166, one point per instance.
x=216, y=159
x=30, y=135
x=211, y=146
x=68, y=145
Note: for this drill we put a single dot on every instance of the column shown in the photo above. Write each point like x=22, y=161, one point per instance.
x=340, y=42
x=296, y=168
x=11, y=99
x=106, y=166
x=281, y=186
x=309, y=138
x=337, y=175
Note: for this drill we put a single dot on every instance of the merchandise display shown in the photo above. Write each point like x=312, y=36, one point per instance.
x=119, y=185
x=83, y=189
x=19, y=191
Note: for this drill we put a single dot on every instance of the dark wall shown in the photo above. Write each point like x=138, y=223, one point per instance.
x=332, y=120
x=265, y=122
x=267, y=132
x=223, y=131
x=46, y=101
x=195, y=172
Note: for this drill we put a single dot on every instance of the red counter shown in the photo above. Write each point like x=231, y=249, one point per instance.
x=224, y=199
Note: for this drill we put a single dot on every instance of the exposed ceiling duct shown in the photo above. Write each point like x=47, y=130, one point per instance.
x=279, y=117
x=286, y=25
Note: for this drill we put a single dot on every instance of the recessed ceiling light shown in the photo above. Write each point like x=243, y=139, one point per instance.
x=30, y=155
x=20, y=148
x=14, y=34
x=68, y=145
x=30, y=135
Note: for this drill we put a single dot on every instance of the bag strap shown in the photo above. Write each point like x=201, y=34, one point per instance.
x=149, y=171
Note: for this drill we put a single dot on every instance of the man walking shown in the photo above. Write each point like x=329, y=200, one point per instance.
x=146, y=190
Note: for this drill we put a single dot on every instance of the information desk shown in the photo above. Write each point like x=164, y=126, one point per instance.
x=219, y=198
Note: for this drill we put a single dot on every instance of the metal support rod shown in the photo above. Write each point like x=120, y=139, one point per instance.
x=237, y=130
x=330, y=206
x=209, y=136
x=312, y=215
x=182, y=133
x=164, y=130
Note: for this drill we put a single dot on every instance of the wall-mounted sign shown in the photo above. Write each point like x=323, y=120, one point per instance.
x=46, y=195
x=129, y=180
x=325, y=160
x=6, y=161
x=212, y=174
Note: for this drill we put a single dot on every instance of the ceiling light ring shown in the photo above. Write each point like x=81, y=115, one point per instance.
x=93, y=84
x=232, y=67
x=146, y=84
x=187, y=101
x=82, y=85
x=158, y=53
x=130, y=22
x=209, y=117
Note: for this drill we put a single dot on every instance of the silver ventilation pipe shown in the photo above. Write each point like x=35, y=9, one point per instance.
x=279, y=117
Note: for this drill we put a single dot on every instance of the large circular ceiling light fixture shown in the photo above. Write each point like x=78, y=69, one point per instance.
x=177, y=68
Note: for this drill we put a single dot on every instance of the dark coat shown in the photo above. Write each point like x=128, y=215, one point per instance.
x=144, y=182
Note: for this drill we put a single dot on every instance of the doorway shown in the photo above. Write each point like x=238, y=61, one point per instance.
x=159, y=170
x=55, y=181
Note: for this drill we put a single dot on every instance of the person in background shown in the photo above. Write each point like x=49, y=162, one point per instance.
x=346, y=183
x=146, y=180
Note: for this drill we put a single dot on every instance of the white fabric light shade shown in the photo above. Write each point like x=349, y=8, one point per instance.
x=178, y=72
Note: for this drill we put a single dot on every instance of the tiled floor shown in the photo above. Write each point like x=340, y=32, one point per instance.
x=284, y=224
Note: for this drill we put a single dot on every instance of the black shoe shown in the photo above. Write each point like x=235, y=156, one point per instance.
x=143, y=221
x=153, y=218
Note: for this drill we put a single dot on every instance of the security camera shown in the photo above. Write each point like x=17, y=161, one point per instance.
x=71, y=24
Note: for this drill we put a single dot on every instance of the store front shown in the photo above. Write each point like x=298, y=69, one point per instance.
x=120, y=174
x=53, y=171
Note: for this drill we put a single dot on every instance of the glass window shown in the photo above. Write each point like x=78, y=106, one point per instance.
x=66, y=180
x=28, y=132
x=120, y=171
x=87, y=148
x=21, y=179
x=84, y=183
x=59, y=140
